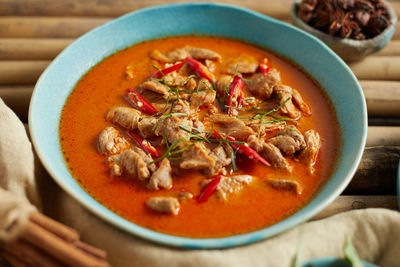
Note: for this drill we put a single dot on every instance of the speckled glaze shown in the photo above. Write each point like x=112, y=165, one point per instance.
x=349, y=49
x=59, y=79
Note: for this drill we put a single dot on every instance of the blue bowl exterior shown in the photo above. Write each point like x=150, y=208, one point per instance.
x=59, y=79
x=398, y=186
x=332, y=262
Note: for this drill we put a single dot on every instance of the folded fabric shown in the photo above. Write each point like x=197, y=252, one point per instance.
x=374, y=232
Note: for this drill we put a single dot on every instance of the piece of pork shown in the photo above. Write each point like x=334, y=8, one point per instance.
x=231, y=126
x=222, y=85
x=197, y=157
x=242, y=64
x=287, y=185
x=289, y=141
x=110, y=141
x=187, y=51
x=203, y=95
x=168, y=205
x=147, y=158
x=184, y=195
x=131, y=162
x=262, y=85
x=313, y=142
x=229, y=186
x=270, y=152
x=170, y=126
x=145, y=126
x=124, y=116
x=161, y=178
x=222, y=159
x=154, y=86
x=265, y=127
x=298, y=100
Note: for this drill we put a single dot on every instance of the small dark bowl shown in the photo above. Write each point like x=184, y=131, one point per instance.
x=349, y=49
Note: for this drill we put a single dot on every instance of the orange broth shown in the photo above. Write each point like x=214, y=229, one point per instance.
x=256, y=207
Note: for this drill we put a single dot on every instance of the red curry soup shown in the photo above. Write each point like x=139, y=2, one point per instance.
x=199, y=136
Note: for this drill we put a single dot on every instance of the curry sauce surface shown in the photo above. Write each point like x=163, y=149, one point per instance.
x=257, y=206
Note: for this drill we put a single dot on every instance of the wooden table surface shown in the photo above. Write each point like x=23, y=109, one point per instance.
x=33, y=32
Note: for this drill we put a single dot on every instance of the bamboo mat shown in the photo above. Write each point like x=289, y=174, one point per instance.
x=33, y=32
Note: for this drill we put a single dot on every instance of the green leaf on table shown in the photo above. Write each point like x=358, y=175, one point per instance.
x=350, y=254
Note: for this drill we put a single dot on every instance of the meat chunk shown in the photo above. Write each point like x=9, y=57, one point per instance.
x=154, y=86
x=221, y=160
x=298, y=100
x=161, y=178
x=170, y=126
x=265, y=127
x=146, y=158
x=202, y=53
x=183, y=195
x=232, y=126
x=124, y=116
x=262, y=85
x=255, y=143
x=287, y=185
x=229, y=186
x=131, y=162
x=168, y=205
x=197, y=157
x=145, y=126
x=313, y=142
x=274, y=156
x=111, y=142
x=243, y=64
x=289, y=97
x=269, y=152
x=289, y=141
x=204, y=95
x=222, y=85
x=182, y=53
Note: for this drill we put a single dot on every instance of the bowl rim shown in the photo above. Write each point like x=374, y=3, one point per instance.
x=347, y=41
x=203, y=243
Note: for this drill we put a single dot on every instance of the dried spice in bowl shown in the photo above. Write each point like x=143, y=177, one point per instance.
x=355, y=19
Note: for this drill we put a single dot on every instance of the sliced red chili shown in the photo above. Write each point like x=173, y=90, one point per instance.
x=244, y=149
x=209, y=189
x=264, y=67
x=235, y=93
x=139, y=102
x=159, y=74
x=145, y=145
x=201, y=70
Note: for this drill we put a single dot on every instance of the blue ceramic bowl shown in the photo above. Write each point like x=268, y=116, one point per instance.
x=332, y=262
x=59, y=79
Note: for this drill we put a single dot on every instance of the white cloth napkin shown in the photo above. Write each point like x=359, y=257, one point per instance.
x=375, y=232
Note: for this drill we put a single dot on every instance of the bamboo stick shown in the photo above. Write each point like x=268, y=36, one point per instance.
x=21, y=72
x=347, y=203
x=28, y=49
x=64, y=252
x=383, y=97
x=377, y=172
x=60, y=230
x=383, y=136
x=113, y=8
x=377, y=68
x=47, y=27
x=30, y=255
x=391, y=49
